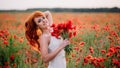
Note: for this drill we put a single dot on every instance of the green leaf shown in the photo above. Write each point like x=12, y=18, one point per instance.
x=68, y=49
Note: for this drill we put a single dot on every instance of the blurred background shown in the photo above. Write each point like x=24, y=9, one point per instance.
x=96, y=43
x=62, y=5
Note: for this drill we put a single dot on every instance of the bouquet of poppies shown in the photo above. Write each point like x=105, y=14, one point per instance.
x=66, y=31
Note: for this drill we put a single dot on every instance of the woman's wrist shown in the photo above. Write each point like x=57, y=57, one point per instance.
x=46, y=13
x=61, y=47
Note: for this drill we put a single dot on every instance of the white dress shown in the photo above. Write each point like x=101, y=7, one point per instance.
x=59, y=61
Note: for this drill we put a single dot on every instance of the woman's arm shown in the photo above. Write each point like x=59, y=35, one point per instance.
x=44, y=49
x=49, y=17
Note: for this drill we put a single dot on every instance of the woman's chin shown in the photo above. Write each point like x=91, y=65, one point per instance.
x=46, y=27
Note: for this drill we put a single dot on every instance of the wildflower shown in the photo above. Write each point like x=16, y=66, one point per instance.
x=82, y=43
x=76, y=48
x=14, y=65
x=12, y=57
x=108, y=54
x=91, y=49
x=103, y=51
x=1, y=34
x=115, y=61
x=73, y=55
x=74, y=33
x=6, y=63
x=6, y=66
x=21, y=40
x=5, y=42
x=15, y=37
x=70, y=35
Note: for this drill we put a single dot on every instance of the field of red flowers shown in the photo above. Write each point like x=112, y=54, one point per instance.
x=96, y=44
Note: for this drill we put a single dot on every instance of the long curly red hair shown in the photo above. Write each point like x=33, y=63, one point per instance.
x=32, y=32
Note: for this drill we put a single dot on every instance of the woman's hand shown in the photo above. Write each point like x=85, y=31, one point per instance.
x=64, y=43
x=47, y=13
x=49, y=17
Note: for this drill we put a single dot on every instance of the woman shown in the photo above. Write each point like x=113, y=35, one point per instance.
x=51, y=48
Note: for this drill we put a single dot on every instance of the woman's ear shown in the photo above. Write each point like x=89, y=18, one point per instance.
x=26, y=24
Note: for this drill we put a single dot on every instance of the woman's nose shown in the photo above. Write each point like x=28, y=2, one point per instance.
x=44, y=20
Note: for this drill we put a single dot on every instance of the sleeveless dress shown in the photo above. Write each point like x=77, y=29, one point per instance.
x=59, y=61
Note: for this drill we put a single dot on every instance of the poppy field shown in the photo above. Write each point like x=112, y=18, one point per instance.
x=96, y=43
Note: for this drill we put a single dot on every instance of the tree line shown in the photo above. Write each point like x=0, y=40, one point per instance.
x=114, y=9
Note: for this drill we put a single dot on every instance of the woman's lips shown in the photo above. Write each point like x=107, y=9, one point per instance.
x=46, y=24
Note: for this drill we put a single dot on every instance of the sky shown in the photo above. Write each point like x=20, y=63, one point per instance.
x=25, y=4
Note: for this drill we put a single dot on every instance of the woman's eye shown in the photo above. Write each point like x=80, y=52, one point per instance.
x=39, y=20
x=43, y=17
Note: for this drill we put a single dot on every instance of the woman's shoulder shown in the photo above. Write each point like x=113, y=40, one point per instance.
x=45, y=37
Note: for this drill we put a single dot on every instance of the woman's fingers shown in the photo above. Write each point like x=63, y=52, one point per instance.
x=66, y=41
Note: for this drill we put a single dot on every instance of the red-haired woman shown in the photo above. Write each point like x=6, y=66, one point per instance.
x=51, y=48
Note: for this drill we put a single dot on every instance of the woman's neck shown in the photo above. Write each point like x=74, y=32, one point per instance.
x=46, y=32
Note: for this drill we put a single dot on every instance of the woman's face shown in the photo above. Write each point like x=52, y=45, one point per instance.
x=42, y=22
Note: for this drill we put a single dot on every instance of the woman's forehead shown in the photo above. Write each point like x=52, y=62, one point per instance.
x=39, y=17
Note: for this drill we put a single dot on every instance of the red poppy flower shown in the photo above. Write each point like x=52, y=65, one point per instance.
x=53, y=25
x=91, y=49
x=74, y=33
x=103, y=51
x=5, y=42
x=81, y=43
x=1, y=34
x=70, y=35
x=12, y=57
x=6, y=66
x=76, y=48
